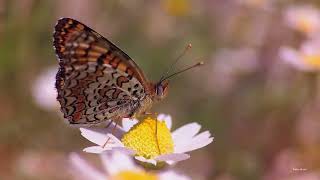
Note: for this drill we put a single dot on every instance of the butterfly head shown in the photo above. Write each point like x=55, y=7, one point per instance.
x=161, y=90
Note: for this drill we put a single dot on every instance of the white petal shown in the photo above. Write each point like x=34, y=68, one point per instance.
x=172, y=176
x=183, y=135
x=124, y=150
x=173, y=158
x=197, y=145
x=166, y=118
x=188, y=130
x=112, y=142
x=128, y=123
x=94, y=149
x=117, y=162
x=197, y=142
x=84, y=170
x=293, y=57
x=96, y=136
x=114, y=129
x=142, y=159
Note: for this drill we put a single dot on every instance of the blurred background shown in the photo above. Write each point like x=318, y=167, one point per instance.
x=258, y=93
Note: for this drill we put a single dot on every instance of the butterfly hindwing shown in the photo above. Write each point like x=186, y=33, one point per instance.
x=96, y=81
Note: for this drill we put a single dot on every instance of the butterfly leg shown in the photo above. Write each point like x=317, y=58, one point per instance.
x=112, y=132
x=109, y=124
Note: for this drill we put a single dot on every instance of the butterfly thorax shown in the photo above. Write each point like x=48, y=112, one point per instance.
x=144, y=106
x=155, y=93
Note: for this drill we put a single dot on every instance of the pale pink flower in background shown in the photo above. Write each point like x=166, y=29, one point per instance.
x=43, y=90
x=41, y=165
x=117, y=165
x=174, y=145
x=303, y=18
x=306, y=58
x=236, y=61
x=227, y=67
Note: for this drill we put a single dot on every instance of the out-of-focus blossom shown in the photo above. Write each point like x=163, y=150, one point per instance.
x=41, y=165
x=177, y=7
x=307, y=58
x=139, y=139
x=43, y=90
x=303, y=18
x=228, y=65
x=117, y=166
x=236, y=61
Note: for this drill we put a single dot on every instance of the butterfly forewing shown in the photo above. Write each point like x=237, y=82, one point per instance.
x=96, y=81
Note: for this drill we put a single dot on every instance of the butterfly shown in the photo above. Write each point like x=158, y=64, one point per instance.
x=96, y=80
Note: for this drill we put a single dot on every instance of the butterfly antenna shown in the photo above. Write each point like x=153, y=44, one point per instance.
x=175, y=62
x=183, y=70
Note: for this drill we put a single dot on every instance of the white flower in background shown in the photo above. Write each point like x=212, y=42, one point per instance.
x=43, y=90
x=139, y=139
x=40, y=164
x=307, y=58
x=303, y=18
x=236, y=61
x=117, y=166
x=228, y=66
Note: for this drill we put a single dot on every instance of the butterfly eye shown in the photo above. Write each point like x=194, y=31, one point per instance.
x=159, y=90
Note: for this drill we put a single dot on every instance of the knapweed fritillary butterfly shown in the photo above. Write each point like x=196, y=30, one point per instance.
x=96, y=80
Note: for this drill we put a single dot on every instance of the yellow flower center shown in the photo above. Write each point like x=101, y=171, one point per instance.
x=130, y=175
x=143, y=138
x=305, y=25
x=177, y=7
x=313, y=60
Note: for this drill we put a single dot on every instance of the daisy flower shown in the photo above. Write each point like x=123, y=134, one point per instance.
x=307, y=58
x=303, y=18
x=149, y=140
x=117, y=166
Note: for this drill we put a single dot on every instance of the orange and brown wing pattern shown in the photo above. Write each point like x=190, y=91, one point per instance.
x=96, y=81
